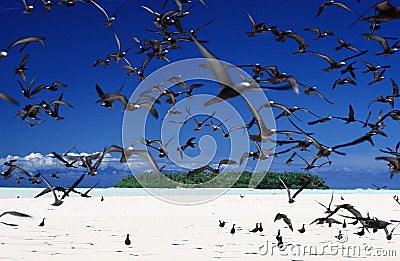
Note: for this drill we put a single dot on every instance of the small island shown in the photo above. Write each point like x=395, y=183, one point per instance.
x=270, y=180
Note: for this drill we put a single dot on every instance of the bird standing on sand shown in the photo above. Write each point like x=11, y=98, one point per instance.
x=302, y=229
x=233, y=230
x=127, y=240
x=360, y=233
x=254, y=230
x=260, y=228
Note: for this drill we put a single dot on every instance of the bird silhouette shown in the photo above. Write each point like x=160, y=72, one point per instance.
x=42, y=223
x=233, y=230
x=127, y=240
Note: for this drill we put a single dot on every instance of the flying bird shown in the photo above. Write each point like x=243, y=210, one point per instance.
x=344, y=44
x=28, y=8
x=285, y=219
x=189, y=143
x=387, y=50
x=21, y=68
x=129, y=106
x=331, y=3
x=309, y=90
x=291, y=199
x=336, y=65
x=25, y=41
x=215, y=171
x=66, y=163
x=256, y=28
x=57, y=201
x=327, y=208
x=320, y=34
x=110, y=18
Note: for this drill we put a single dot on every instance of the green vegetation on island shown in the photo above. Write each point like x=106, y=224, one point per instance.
x=269, y=180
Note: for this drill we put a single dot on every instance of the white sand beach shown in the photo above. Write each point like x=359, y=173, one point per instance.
x=86, y=228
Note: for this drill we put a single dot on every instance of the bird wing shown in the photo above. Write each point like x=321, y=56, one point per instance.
x=316, y=30
x=338, y=207
x=50, y=187
x=395, y=88
x=380, y=39
x=305, y=161
x=38, y=89
x=150, y=10
x=291, y=158
x=244, y=156
x=302, y=188
x=25, y=41
x=287, y=189
x=253, y=23
x=190, y=140
x=392, y=161
x=100, y=8
x=8, y=98
x=226, y=162
x=150, y=108
x=23, y=61
x=330, y=203
x=74, y=185
x=59, y=102
x=219, y=71
x=322, y=204
x=327, y=58
x=199, y=170
x=320, y=9
x=351, y=112
x=288, y=222
x=99, y=91
x=43, y=192
x=354, y=142
x=354, y=56
x=99, y=159
x=342, y=6
x=22, y=171
x=315, y=142
x=58, y=156
x=192, y=117
x=114, y=148
x=113, y=97
x=87, y=192
x=15, y=213
x=145, y=153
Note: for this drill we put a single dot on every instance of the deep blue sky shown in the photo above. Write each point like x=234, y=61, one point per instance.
x=76, y=37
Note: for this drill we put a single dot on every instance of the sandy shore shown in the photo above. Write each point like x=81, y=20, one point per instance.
x=85, y=228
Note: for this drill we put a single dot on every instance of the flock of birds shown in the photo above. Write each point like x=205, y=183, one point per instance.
x=170, y=25
x=351, y=214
